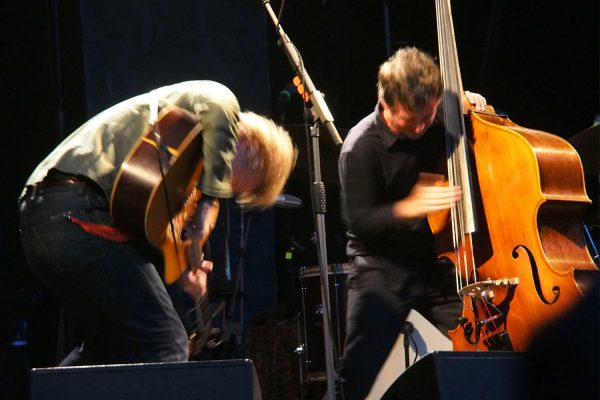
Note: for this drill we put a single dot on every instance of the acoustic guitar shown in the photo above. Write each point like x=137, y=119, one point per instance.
x=155, y=190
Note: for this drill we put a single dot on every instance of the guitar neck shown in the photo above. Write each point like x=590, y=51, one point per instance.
x=195, y=255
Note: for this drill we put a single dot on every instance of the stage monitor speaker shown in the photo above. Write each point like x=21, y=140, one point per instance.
x=410, y=347
x=206, y=380
x=450, y=375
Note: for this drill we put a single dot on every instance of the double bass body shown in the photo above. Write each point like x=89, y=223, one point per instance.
x=531, y=260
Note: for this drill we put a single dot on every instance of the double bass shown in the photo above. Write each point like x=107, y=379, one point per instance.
x=517, y=233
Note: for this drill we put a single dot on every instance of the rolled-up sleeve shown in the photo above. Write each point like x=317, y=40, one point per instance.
x=219, y=113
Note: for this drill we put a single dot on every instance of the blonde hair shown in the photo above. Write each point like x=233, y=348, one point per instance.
x=271, y=154
x=409, y=77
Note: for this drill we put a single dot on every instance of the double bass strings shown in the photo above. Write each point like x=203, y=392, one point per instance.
x=463, y=221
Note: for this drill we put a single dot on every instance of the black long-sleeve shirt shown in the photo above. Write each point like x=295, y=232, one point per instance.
x=378, y=168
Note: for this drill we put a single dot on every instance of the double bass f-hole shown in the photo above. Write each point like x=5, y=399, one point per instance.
x=536, y=276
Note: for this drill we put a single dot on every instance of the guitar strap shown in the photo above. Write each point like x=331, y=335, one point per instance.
x=153, y=122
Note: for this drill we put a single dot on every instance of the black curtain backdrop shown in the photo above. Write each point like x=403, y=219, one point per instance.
x=537, y=61
x=135, y=46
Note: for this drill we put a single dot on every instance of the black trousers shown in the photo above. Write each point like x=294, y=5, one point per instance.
x=381, y=293
x=113, y=293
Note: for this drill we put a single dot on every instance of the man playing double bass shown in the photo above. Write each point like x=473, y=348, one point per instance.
x=106, y=284
x=386, y=195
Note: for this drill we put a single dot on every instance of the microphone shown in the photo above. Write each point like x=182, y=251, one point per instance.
x=297, y=86
x=287, y=201
x=285, y=95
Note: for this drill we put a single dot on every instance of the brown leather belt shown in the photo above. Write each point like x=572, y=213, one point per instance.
x=60, y=179
x=57, y=178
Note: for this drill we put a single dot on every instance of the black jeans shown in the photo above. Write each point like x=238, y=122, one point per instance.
x=381, y=293
x=114, y=295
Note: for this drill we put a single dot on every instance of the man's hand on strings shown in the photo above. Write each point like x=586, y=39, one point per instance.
x=475, y=100
x=426, y=197
x=195, y=281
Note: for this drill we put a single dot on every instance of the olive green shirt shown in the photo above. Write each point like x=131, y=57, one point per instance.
x=97, y=148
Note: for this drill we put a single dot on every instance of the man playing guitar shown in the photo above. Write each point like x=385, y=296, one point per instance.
x=120, y=181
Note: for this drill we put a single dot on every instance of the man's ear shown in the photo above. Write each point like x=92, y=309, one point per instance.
x=383, y=104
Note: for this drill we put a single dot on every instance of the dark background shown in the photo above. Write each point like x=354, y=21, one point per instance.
x=64, y=61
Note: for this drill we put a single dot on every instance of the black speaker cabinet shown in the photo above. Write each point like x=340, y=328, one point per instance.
x=206, y=380
x=450, y=375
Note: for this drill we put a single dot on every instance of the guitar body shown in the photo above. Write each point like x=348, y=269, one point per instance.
x=147, y=187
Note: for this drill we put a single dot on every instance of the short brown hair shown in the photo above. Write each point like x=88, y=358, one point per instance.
x=409, y=77
x=272, y=155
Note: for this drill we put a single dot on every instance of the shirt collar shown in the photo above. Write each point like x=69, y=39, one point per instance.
x=389, y=138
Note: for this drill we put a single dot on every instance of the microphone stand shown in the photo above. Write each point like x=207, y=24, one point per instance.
x=407, y=331
x=320, y=113
x=319, y=110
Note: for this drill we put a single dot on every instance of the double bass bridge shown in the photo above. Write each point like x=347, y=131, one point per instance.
x=484, y=290
x=487, y=327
